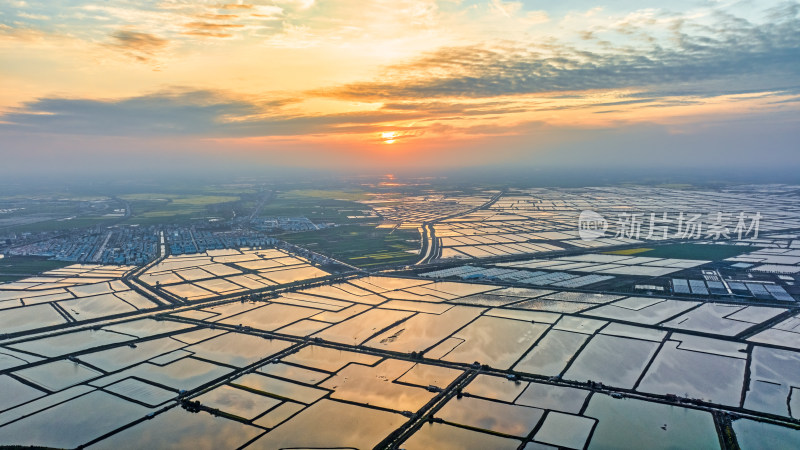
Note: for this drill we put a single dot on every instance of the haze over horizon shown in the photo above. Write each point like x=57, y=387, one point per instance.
x=406, y=85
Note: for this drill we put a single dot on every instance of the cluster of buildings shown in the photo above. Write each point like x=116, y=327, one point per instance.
x=130, y=245
x=286, y=224
x=189, y=240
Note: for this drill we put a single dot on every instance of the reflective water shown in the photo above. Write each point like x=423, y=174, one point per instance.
x=335, y=292
x=460, y=289
x=238, y=402
x=612, y=360
x=495, y=388
x=583, y=297
x=524, y=292
x=553, y=306
x=93, y=307
x=773, y=374
x=710, y=345
x=280, y=388
x=642, y=310
x=445, y=347
x=125, y=356
x=388, y=284
x=346, y=313
x=29, y=318
x=229, y=309
x=649, y=425
x=374, y=386
x=552, y=353
x=487, y=415
x=564, y=430
x=43, y=402
x=57, y=375
x=768, y=397
x=294, y=274
x=579, y=324
x=147, y=327
x=328, y=359
x=647, y=334
x=10, y=358
x=532, y=316
x=186, y=373
x=180, y=429
x=674, y=371
x=70, y=342
x=424, y=291
x=193, y=337
x=495, y=341
x=325, y=303
x=752, y=435
x=88, y=290
x=271, y=317
x=61, y=427
x=279, y=414
x=426, y=307
x=188, y=291
x=293, y=373
x=424, y=330
x=335, y=425
x=426, y=375
x=138, y=301
x=446, y=437
x=351, y=395
x=558, y=398
x=303, y=328
x=219, y=286
x=756, y=314
x=487, y=300
x=356, y=330
x=16, y=393
x=710, y=317
x=538, y=446
x=238, y=349
x=140, y=391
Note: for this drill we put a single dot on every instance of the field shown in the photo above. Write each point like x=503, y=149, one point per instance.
x=695, y=251
x=18, y=267
x=317, y=206
x=360, y=245
x=158, y=208
x=331, y=195
x=56, y=213
x=629, y=251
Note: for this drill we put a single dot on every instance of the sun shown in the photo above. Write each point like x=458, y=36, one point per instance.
x=389, y=137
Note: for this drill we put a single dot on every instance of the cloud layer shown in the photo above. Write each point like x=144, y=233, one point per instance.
x=441, y=77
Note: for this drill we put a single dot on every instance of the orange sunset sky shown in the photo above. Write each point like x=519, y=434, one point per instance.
x=398, y=84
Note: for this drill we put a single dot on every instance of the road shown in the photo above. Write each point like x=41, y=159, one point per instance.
x=431, y=245
x=266, y=198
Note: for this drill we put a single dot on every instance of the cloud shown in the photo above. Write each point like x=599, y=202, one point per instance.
x=236, y=6
x=25, y=15
x=299, y=4
x=137, y=44
x=208, y=26
x=210, y=29
x=730, y=54
x=506, y=9
x=199, y=113
x=209, y=16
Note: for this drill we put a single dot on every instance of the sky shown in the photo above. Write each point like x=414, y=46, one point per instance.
x=406, y=85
